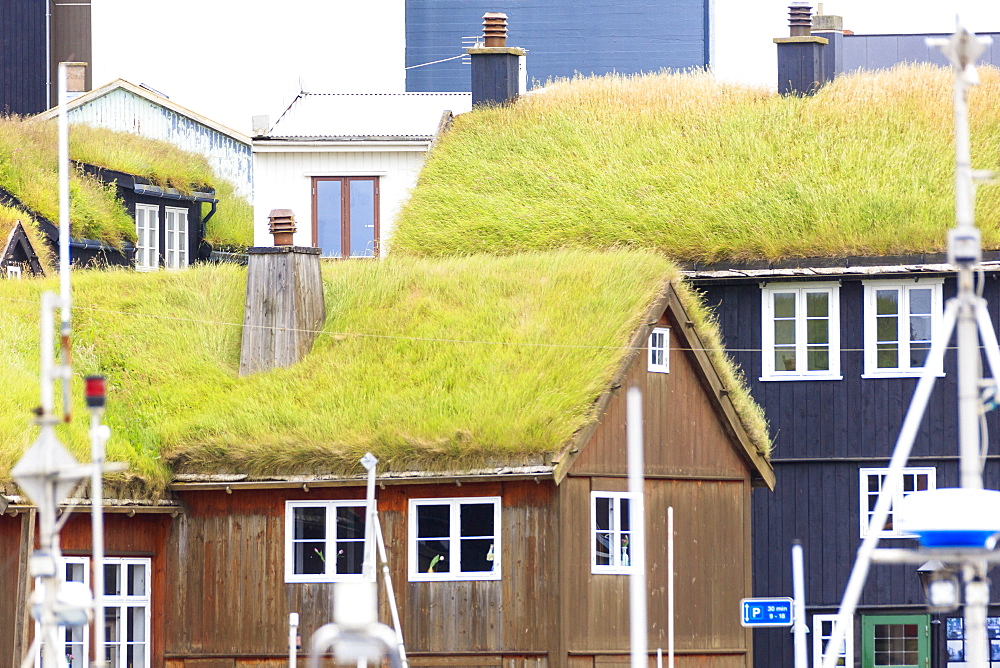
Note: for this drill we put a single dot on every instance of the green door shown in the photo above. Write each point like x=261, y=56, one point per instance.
x=895, y=641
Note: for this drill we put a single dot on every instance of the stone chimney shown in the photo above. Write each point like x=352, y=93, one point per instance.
x=496, y=67
x=284, y=301
x=801, y=56
x=831, y=28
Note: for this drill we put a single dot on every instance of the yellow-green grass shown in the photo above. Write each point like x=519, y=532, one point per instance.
x=431, y=364
x=28, y=170
x=708, y=171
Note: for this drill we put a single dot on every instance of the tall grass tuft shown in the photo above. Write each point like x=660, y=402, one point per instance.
x=706, y=171
x=430, y=364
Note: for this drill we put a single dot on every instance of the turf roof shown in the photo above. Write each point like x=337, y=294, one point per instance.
x=28, y=171
x=706, y=171
x=430, y=364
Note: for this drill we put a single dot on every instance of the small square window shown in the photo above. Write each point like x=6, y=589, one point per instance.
x=915, y=479
x=659, y=350
x=901, y=320
x=324, y=540
x=611, y=532
x=454, y=539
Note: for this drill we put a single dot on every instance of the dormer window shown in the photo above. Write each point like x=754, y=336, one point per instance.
x=659, y=350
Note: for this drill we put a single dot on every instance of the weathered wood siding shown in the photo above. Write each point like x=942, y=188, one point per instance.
x=23, y=55
x=284, y=181
x=124, y=111
x=16, y=541
x=693, y=465
x=232, y=600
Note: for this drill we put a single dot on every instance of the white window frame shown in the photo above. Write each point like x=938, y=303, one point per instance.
x=13, y=271
x=865, y=515
x=175, y=252
x=870, y=326
x=147, y=218
x=454, y=539
x=330, y=540
x=832, y=289
x=83, y=631
x=121, y=603
x=616, y=565
x=125, y=601
x=658, y=358
x=822, y=637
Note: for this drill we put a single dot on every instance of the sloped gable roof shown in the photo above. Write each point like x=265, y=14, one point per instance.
x=407, y=116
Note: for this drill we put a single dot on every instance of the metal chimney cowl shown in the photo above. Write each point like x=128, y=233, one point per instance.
x=496, y=67
x=282, y=226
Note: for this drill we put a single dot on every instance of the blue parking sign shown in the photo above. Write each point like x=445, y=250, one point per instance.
x=767, y=611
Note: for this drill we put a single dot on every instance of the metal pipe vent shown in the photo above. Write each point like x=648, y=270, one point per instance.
x=495, y=29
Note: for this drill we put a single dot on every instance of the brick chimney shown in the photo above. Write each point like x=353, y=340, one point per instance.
x=801, y=56
x=496, y=67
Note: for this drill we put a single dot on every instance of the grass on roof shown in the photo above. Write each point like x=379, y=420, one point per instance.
x=407, y=366
x=9, y=217
x=28, y=170
x=707, y=171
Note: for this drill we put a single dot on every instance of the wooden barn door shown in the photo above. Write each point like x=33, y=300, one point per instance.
x=895, y=641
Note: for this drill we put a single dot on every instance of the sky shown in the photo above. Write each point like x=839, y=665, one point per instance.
x=230, y=61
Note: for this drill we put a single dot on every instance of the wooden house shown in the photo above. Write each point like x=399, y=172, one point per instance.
x=502, y=476
x=18, y=256
x=815, y=227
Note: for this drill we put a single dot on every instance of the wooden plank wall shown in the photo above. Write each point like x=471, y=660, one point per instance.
x=14, y=587
x=232, y=601
x=683, y=435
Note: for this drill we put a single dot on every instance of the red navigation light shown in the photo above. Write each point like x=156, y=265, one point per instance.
x=95, y=391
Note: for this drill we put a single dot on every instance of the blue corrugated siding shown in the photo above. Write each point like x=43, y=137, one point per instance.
x=872, y=52
x=22, y=56
x=562, y=37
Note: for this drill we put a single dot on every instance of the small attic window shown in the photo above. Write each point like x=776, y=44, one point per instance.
x=659, y=350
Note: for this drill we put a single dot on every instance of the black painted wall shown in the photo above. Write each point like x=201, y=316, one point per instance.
x=824, y=432
x=23, y=51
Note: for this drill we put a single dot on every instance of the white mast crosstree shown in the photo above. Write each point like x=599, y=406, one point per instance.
x=966, y=316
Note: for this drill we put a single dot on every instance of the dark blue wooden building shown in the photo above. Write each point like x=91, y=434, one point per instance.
x=831, y=350
x=562, y=37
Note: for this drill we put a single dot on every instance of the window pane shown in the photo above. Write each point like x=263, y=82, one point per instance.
x=433, y=521
x=603, y=518
x=819, y=359
x=362, y=218
x=136, y=583
x=476, y=519
x=477, y=555
x=328, y=218
x=886, y=302
x=350, y=556
x=75, y=572
x=784, y=304
x=920, y=300
x=624, y=515
x=112, y=625
x=887, y=356
x=818, y=331
x=603, y=556
x=886, y=328
x=310, y=557
x=920, y=328
x=817, y=304
x=784, y=359
x=310, y=523
x=112, y=580
x=625, y=549
x=432, y=556
x=350, y=522
x=784, y=332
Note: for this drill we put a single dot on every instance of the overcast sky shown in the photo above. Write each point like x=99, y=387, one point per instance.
x=229, y=61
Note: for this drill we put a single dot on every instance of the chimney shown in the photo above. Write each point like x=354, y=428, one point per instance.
x=76, y=80
x=284, y=300
x=831, y=28
x=496, y=68
x=801, y=56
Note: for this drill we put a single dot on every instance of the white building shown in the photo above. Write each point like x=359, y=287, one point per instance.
x=344, y=164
